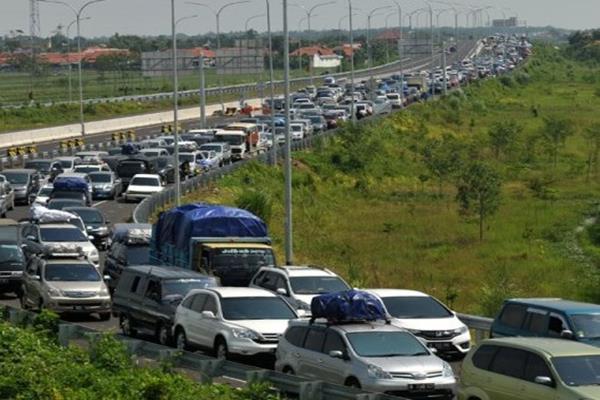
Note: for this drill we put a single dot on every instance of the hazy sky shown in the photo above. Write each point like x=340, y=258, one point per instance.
x=151, y=17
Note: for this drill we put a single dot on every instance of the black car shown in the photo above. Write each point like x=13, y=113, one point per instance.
x=129, y=167
x=146, y=297
x=49, y=168
x=129, y=245
x=96, y=225
x=12, y=260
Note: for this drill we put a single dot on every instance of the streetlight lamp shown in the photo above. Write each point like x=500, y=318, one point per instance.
x=78, y=13
x=217, y=14
x=309, y=15
x=69, y=54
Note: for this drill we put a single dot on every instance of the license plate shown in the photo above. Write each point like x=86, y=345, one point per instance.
x=79, y=307
x=440, y=346
x=420, y=387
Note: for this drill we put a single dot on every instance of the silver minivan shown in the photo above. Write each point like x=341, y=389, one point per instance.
x=376, y=357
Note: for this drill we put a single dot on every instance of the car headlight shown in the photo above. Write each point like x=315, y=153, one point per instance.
x=447, y=371
x=244, y=334
x=94, y=255
x=461, y=330
x=376, y=372
x=54, y=292
x=103, y=291
x=107, y=187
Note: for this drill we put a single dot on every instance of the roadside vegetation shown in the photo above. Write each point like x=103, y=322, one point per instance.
x=33, y=366
x=487, y=194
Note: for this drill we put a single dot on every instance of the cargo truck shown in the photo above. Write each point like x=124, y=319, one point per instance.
x=225, y=242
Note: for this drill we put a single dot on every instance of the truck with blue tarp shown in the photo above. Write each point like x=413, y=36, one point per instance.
x=229, y=243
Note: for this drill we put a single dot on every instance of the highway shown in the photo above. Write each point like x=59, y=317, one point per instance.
x=119, y=211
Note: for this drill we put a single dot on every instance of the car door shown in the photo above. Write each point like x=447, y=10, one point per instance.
x=189, y=317
x=208, y=328
x=534, y=368
x=333, y=368
x=507, y=371
x=311, y=359
x=536, y=322
x=31, y=292
x=150, y=310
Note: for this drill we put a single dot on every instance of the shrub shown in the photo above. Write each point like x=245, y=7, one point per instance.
x=507, y=81
x=257, y=202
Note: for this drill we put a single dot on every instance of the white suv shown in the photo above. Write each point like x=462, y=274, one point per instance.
x=371, y=356
x=427, y=318
x=298, y=284
x=228, y=320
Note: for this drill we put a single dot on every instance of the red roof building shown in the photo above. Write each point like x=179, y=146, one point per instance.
x=312, y=51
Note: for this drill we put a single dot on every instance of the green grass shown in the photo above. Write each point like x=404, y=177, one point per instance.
x=366, y=205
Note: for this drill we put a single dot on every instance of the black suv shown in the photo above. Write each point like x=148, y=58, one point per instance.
x=130, y=245
x=96, y=225
x=146, y=298
x=12, y=261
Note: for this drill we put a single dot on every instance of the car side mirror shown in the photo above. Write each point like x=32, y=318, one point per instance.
x=282, y=292
x=36, y=277
x=337, y=354
x=31, y=237
x=90, y=237
x=107, y=277
x=208, y=315
x=544, y=380
x=567, y=334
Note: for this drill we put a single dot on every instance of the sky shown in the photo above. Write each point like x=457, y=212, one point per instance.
x=152, y=17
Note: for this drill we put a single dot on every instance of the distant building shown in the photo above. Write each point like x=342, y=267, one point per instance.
x=159, y=63
x=512, y=22
x=320, y=57
x=346, y=50
x=88, y=56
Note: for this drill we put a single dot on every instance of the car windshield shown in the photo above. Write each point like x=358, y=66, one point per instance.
x=71, y=273
x=60, y=204
x=232, y=139
x=129, y=169
x=66, y=163
x=211, y=148
x=153, y=153
x=186, y=157
x=243, y=258
x=87, y=169
x=207, y=154
x=183, y=286
x=138, y=255
x=243, y=308
x=90, y=216
x=317, y=284
x=16, y=178
x=386, y=344
x=39, y=165
x=139, y=181
x=100, y=178
x=415, y=307
x=67, y=194
x=587, y=326
x=45, y=191
x=66, y=234
x=578, y=370
x=10, y=253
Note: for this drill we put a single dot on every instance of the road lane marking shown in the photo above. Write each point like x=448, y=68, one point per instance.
x=99, y=203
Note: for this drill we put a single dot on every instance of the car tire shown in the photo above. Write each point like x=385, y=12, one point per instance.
x=353, y=383
x=162, y=334
x=221, y=351
x=23, y=302
x=181, y=342
x=126, y=326
x=104, y=316
x=288, y=370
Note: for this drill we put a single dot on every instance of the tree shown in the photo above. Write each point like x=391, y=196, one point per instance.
x=479, y=192
x=555, y=132
x=592, y=137
x=443, y=158
x=502, y=136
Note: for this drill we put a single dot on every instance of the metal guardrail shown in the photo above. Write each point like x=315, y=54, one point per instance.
x=480, y=326
x=207, y=367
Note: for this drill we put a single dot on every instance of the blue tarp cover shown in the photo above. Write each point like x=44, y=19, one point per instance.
x=178, y=225
x=70, y=184
x=348, y=306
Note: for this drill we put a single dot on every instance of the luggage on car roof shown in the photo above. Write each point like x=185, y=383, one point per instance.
x=348, y=306
x=70, y=184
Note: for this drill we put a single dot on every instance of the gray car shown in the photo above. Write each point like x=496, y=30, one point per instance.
x=24, y=182
x=372, y=356
x=8, y=192
x=105, y=185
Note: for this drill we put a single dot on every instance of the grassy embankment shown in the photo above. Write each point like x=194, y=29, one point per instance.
x=33, y=366
x=367, y=205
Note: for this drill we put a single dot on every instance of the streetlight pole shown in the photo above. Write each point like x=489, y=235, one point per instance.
x=69, y=53
x=370, y=15
x=78, y=13
x=351, y=33
x=252, y=18
x=309, y=15
x=289, y=246
x=300, y=44
x=274, y=144
x=400, y=55
x=387, y=47
x=217, y=14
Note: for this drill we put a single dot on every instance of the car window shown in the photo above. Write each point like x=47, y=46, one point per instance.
x=153, y=290
x=513, y=315
x=280, y=283
x=483, y=356
x=509, y=362
x=198, y=302
x=555, y=326
x=187, y=303
x=536, y=321
x=296, y=335
x=333, y=342
x=536, y=366
x=210, y=305
x=135, y=284
x=314, y=339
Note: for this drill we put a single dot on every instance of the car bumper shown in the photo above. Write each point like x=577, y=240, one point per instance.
x=21, y=196
x=457, y=346
x=79, y=306
x=102, y=194
x=247, y=347
x=137, y=196
x=439, y=388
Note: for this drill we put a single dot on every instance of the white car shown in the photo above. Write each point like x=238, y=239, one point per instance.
x=298, y=284
x=154, y=152
x=231, y=320
x=68, y=163
x=142, y=186
x=43, y=195
x=297, y=131
x=427, y=318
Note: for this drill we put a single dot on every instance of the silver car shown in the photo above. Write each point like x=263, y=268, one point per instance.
x=371, y=356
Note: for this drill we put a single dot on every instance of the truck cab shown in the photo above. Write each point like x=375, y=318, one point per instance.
x=233, y=263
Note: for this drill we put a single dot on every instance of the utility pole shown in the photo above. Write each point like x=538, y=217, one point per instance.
x=444, y=68
x=353, y=116
x=289, y=244
x=202, y=90
x=274, y=144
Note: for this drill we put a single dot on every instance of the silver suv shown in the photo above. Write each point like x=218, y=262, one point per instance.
x=371, y=356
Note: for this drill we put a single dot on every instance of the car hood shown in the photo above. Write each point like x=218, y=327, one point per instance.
x=144, y=189
x=263, y=325
x=586, y=392
x=78, y=286
x=422, y=364
x=429, y=324
x=305, y=298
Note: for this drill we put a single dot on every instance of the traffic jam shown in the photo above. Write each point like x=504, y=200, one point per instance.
x=205, y=277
